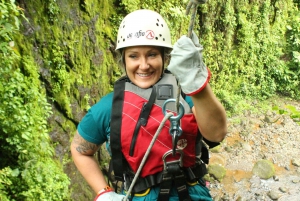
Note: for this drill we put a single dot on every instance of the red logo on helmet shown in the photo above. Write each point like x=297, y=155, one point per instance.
x=150, y=34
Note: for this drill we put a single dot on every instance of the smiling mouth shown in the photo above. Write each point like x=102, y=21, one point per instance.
x=144, y=74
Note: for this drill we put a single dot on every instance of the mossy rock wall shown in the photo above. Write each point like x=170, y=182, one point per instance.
x=71, y=43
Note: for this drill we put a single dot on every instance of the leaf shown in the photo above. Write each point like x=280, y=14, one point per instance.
x=15, y=172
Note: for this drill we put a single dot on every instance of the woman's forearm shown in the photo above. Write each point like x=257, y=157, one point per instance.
x=210, y=115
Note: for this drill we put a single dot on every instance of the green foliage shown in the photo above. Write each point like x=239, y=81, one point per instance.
x=27, y=168
x=52, y=10
x=244, y=44
x=58, y=68
x=289, y=110
x=9, y=23
x=293, y=52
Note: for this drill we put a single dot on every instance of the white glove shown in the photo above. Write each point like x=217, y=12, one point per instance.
x=187, y=66
x=110, y=196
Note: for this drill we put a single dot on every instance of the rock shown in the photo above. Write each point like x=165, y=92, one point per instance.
x=217, y=171
x=283, y=189
x=239, y=198
x=295, y=181
x=246, y=146
x=217, y=159
x=296, y=162
x=228, y=149
x=217, y=198
x=264, y=169
x=225, y=197
x=274, y=195
x=276, y=178
x=216, y=149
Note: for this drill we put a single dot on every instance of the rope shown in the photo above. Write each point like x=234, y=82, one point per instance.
x=191, y=7
x=167, y=116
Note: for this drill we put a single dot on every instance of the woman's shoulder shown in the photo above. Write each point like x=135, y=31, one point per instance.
x=105, y=103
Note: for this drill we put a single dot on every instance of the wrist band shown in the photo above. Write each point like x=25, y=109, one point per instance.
x=102, y=191
x=106, y=189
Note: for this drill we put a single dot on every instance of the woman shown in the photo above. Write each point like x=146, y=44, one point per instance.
x=144, y=41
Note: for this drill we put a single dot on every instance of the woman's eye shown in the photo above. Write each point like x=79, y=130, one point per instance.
x=132, y=56
x=152, y=55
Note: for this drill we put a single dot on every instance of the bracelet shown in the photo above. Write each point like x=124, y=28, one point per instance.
x=104, y=190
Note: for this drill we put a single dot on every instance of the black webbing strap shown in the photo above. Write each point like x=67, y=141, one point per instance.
x=180, y=184
x=192, y=174
x=173, y=174
x=143, y=119
x=165, y=186
x=115, y=128
x=204, y=154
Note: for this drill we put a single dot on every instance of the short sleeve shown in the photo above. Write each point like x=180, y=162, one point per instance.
x=188, y=99
x=94, y=127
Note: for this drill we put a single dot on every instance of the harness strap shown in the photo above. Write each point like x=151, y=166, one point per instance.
x=175, y=175
x=143, y=119
x=192, y=174
x=115, y=126
x=165, y=186
x=180, y=183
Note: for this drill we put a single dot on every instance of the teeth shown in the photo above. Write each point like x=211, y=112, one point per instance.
x=144, y=74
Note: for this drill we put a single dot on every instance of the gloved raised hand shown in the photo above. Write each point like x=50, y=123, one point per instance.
x=187, y=65
x=109, y=196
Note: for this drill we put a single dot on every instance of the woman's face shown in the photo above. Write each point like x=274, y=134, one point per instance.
x=144, y=65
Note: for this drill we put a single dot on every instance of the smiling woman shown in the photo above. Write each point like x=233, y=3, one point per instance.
x=143, y=65
x=128, y=118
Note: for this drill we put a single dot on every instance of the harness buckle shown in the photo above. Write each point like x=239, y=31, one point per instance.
x=173, y=175
x=173, y=162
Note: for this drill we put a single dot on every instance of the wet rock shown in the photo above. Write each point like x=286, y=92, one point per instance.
x=264, y=169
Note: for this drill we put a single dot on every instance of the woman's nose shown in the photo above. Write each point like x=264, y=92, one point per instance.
x=144, y=64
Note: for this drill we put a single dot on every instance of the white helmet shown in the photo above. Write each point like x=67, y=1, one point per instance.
x=143, y=27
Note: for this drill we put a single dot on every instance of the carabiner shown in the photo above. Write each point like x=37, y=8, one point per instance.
x=175, y=129
x=175, y=125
